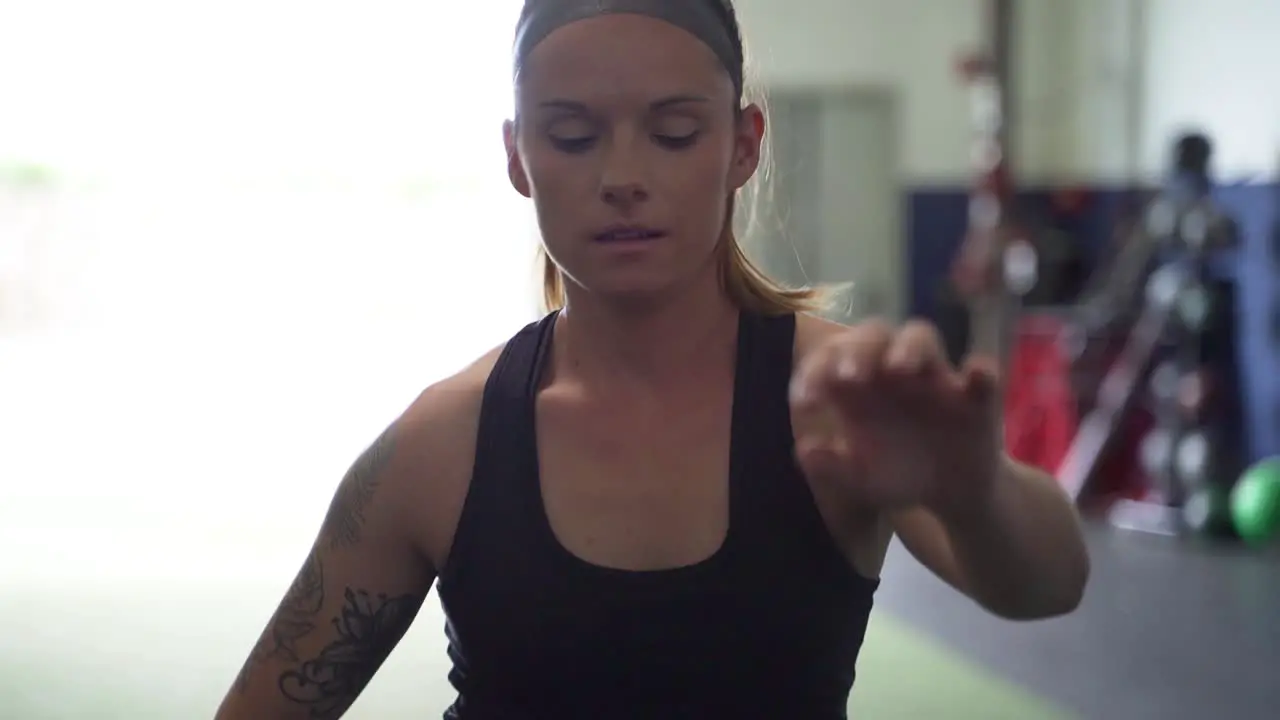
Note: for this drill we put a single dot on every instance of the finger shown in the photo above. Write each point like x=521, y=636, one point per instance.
x=806, y=379
x=816, y=425
x=845, y=362
x=831, y=458
x=860, y=352
x=814, y=419
x=980, y=379
x=816, y=422
x=916, y=350
x=989, y=323
x=857, y=384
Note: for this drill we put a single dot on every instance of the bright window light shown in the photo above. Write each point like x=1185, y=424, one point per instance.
x=236, y=239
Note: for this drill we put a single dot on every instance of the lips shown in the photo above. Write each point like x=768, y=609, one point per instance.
x=630, y=233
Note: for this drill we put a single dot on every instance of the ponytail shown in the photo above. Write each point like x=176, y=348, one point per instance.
x=553, y=297
x=751, y=289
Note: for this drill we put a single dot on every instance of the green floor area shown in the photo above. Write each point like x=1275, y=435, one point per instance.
x=904, y=674
x=150, y=667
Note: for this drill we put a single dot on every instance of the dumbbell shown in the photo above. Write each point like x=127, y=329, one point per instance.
x=1161, y=219
x=1164, y=383
x=1021, y=267
x=1207, y=511
x=1194, y=231
x=1165, y=286
x=1195, y=390
x=1194, y=458
x=1195, y=307
x=1187, y=391
x=1178, y=460
x=1155, y=454
x=1204, y=227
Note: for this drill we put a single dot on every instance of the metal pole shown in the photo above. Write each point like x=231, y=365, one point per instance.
x=1001, y=44
x=994, y=307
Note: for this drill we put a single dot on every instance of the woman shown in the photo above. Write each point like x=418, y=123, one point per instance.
x=672, y=497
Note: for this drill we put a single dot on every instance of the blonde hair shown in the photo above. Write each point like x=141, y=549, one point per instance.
x=747, y=286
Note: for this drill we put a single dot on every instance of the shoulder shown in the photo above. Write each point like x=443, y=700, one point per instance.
x=436, y=441
x=442, y=414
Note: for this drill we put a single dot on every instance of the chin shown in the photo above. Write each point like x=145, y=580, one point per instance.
x=634, y=293
x=641, y=284
x=636, y=297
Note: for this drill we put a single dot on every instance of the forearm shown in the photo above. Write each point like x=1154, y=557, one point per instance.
x=1021, y=552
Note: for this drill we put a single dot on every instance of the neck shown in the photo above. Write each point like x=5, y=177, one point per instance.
x=661, y=343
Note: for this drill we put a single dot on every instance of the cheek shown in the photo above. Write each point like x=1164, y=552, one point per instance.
x=705, y=174
x=558, y=199
x=550, y=174
x=557, y=186
x=702, y=190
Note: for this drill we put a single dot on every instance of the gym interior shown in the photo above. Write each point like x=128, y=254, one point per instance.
x=216, y=220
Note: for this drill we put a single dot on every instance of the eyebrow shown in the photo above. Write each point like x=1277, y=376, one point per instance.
x=664, y=103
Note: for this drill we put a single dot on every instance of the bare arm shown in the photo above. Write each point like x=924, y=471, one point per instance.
x=1020, y=553
x=1022, y=556
x=357, y=592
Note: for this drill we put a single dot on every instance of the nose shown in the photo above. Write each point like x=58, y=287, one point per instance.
x=622, y=180
x=624, y=194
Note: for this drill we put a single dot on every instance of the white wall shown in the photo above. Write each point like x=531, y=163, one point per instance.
x=909, y=46
x=833, y=214
x=1101, y=85
x=1102, y=71
x=1076, y=76
x=1042, y=125
x=1216, y=66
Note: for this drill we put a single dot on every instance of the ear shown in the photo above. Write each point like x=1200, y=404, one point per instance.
x=515, y=166
x=748, y=140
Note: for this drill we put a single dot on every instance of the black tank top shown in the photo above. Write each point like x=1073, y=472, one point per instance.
x=768, y=627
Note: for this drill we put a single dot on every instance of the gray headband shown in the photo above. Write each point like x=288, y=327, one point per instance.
x=540, y=18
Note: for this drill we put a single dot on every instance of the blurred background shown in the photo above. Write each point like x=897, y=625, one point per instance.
x=237, y=238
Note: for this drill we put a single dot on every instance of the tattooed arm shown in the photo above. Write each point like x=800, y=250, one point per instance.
x=359, y=589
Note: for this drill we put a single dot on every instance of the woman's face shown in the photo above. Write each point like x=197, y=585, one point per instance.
x=629, y=142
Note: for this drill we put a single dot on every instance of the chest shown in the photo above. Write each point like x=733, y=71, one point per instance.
x=637, y=486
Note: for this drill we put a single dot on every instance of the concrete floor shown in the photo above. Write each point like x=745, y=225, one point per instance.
x=1169, y=630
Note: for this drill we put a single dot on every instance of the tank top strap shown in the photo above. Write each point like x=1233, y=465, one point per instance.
x=775, y=511
x=765, y=351
x=762, y=433
x=761, y=411
x=515, y=376
x=503, y=492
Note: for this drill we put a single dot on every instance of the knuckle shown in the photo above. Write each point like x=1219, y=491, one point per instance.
x=920, y=328
x=873, y=331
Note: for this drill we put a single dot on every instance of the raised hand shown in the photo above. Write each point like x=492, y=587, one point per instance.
x=880, y=408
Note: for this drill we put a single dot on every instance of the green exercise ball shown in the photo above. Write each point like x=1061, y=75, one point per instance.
x=1255, y=502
